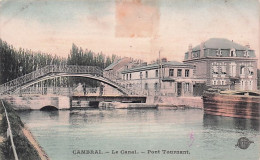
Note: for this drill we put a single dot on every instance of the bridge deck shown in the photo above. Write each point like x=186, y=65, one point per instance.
x=132, y=99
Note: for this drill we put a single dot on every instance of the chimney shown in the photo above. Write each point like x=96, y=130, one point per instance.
x=202, y=47
x=144, y=64
x=247, y=45
x=190, y=51
x=164, y=59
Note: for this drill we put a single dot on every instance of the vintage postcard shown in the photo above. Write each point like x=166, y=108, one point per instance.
x=129, y=79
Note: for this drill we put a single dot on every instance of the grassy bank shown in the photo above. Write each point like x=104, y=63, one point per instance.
x=24, y=148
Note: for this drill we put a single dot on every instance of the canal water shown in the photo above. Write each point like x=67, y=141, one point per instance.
x=163, y=134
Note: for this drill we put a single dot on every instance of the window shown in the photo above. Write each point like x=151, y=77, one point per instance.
x=156, y=73
x=130, y=76
x=250, y=85
x=246, y=53
x=214, y=82
x=233, y=69
x=179, y=72
x=170, y=83
x=156, y=86
x=194, y=69
x=195, y=54
x=232, y=53
x=127, y=77
x=242, y=85
x=123, y=76
x=187, y=72
x=146, y=86
x=141, y=75
x=146, y=74
x=223, y=70
x=219, y=52
x=171, y=72
x=222, y=82
x=215, y=69
x=187, y=87
x=242, y=70
x=250, y=71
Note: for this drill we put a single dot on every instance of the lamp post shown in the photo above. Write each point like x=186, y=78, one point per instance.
x=159, y=67
x=21, y=73
x=141, y=77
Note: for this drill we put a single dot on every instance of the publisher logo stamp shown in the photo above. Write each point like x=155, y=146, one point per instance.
x=243, y=143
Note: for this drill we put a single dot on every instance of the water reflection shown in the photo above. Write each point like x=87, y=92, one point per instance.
x=59, y=133
x=152, y=116
x=243, y=109
x=210, y=121
x=54, y=115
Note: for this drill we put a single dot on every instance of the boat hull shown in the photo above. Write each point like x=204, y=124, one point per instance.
x=239, y=106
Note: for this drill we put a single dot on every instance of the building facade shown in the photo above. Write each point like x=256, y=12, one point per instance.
x=165, y=79
x=224, y=64
x=113, y=71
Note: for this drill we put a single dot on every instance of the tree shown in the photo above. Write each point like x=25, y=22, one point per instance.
x=11, y=60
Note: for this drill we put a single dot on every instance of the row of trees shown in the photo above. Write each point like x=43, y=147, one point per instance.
x=78, y=56
x=17, y=62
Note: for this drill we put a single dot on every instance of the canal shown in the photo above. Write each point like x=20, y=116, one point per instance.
x=144, y=134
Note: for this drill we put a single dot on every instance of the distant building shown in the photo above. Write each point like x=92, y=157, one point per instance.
x=224, y=64
x=167, y=79
x=113, y=71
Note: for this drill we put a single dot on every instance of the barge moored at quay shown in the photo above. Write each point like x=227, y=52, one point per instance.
x=238, y=104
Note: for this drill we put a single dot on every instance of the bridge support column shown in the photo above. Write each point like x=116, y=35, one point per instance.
x=64, y=102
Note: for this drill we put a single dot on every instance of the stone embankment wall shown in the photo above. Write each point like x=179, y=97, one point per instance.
x=36, y=102
x=193, y=102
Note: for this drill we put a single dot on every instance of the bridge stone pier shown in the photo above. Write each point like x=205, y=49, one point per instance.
x=37, y=102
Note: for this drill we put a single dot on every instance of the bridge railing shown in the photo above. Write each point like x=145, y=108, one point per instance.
x=13, y=84
x=93, y=70
x=127, y=90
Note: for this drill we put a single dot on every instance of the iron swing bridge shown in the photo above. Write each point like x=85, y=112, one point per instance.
x=54, y=71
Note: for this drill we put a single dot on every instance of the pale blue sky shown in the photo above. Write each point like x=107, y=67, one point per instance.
x=53, y=25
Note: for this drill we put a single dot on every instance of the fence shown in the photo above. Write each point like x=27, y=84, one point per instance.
x=9, y=130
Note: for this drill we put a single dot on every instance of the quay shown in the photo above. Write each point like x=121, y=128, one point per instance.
x=39, y=102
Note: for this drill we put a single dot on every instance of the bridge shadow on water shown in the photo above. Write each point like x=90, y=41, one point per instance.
x=49, y=108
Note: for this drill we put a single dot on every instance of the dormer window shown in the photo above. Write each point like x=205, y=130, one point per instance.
x=219, y=52
x=233, y=53
x=246, y=53
x=195, y=54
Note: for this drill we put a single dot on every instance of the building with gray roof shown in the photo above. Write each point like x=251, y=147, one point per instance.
x=167, y=78
x=224, y=64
